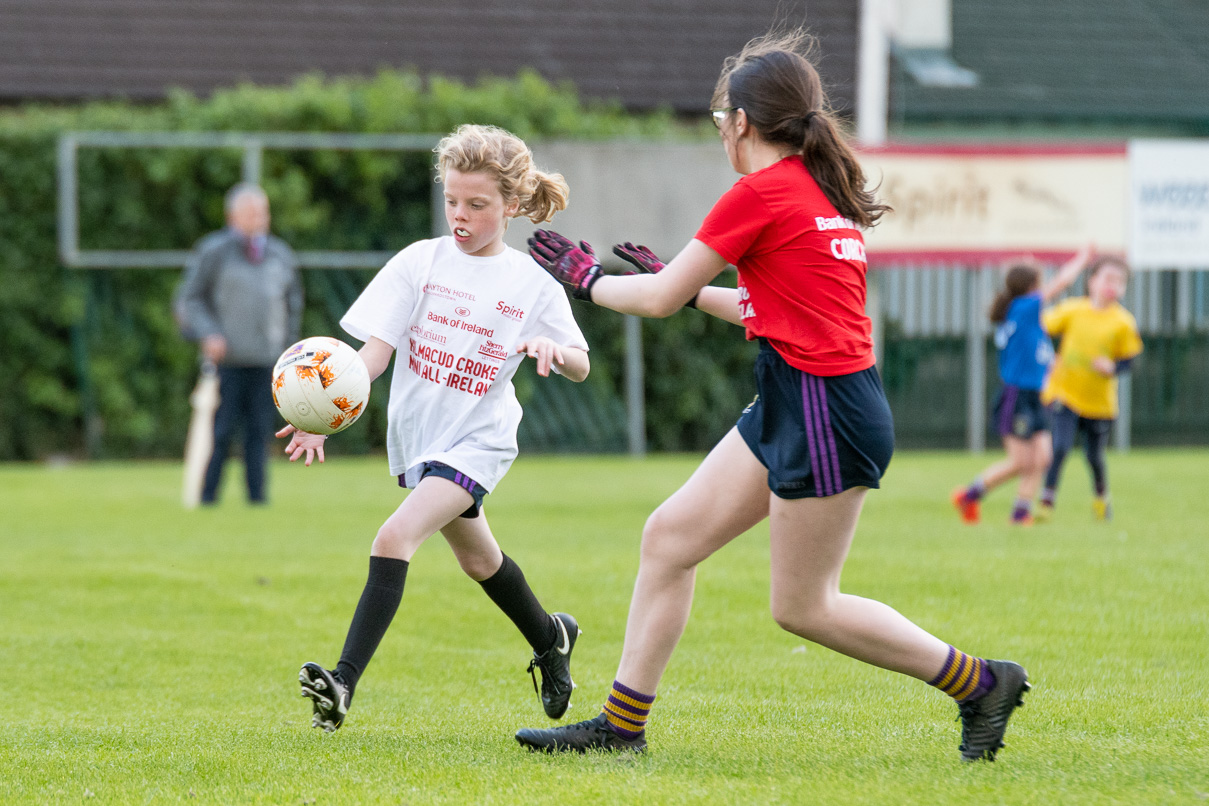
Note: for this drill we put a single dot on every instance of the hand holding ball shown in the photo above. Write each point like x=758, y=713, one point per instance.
x=320, y=385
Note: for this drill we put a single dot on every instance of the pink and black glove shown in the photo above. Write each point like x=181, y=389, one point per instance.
x=641, y=257
x=645, y=261
x=576, y=267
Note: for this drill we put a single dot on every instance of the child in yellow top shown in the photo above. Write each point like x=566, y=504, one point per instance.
x=1099, y=341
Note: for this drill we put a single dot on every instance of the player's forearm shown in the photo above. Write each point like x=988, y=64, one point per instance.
x=647, y=295
x=575, y=364
x=665, y=292
x=376, y=355
x=1060, y=282
x=1066, y=275
x=720, y=302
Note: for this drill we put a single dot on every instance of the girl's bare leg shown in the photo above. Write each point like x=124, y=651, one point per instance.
x=727, y=495
x=810, y=541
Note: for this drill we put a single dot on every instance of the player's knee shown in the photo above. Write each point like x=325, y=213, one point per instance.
x=807, y=619
x=384, y=544
x=478, y=565
x=395, y=540
x=661, y=539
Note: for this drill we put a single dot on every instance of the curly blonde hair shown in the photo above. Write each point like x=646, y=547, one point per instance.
x=489, y=149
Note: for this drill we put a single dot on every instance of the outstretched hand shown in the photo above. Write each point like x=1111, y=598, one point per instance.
x=1086, y=252
x=301, y=442
x=639, y=256
x=1068, y=273
x=574, y=266
x=545, y=350
x=645, y=261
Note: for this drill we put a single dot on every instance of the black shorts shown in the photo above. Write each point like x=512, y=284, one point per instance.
x=444, y=471
x=1070, y=423
x=1019, y=413
x=818, y=436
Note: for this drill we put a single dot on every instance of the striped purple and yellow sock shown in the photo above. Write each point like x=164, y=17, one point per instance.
x=963, y=677
x=1021, y=510
x=627, y=711
x=976, y=490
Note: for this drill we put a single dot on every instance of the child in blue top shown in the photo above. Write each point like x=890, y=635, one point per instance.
x=1025, y=353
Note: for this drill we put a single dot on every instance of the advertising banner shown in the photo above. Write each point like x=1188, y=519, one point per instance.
x=955, y=203
x=1169, y=217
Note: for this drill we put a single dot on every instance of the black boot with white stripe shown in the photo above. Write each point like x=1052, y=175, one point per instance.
x=328, y=695
x=555, y=666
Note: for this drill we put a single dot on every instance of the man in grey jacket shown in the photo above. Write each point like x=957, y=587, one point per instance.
x=241, y=298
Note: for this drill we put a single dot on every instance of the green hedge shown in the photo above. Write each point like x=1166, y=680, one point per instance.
x=94, y=363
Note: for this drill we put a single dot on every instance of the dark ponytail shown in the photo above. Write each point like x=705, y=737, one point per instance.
x=778, y=88
x=835, y=167
x=1021, y=279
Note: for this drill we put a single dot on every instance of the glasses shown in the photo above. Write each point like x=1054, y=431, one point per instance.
x=718, y=116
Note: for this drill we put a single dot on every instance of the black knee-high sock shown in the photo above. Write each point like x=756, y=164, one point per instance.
x=379, y=602
x=510, y=592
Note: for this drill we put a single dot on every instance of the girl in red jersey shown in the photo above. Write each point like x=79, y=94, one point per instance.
x=819, y=434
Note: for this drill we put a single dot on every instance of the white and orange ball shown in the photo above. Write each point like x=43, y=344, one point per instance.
x=320, y=385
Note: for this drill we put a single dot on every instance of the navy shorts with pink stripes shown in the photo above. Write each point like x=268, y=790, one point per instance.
x=818, y=436
x=444, y=471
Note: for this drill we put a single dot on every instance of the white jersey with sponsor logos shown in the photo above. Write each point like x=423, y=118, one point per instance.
x=455, y=321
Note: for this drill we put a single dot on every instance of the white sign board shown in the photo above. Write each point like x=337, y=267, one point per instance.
x=1169, y=188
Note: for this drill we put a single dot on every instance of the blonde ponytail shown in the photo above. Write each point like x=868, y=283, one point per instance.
x=548, y=196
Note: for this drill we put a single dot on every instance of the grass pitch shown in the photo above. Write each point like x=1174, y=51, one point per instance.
x=151, y=654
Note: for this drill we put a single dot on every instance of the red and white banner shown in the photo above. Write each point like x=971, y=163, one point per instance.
x=977, y=203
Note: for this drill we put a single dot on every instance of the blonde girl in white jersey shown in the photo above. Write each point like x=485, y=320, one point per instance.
x=464, y=311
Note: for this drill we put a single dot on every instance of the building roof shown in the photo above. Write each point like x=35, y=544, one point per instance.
x=1074, y=59
x=647, y=53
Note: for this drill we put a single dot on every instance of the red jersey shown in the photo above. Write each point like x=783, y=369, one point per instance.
x=801, y=268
